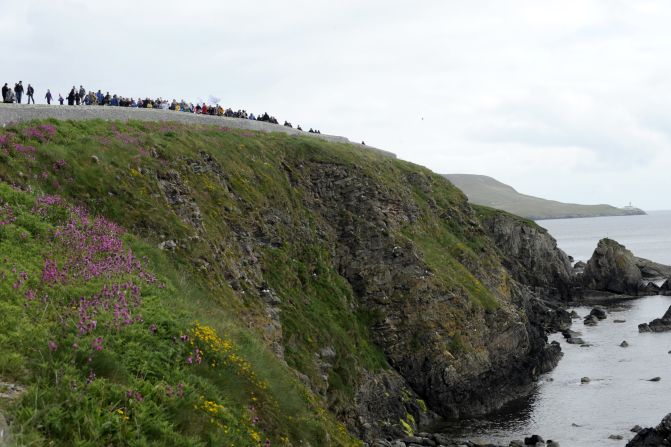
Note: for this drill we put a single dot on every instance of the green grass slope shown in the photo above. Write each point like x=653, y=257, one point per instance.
x=212, y=341
x=486, y=191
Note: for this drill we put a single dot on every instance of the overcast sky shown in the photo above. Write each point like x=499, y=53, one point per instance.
x=568, y=100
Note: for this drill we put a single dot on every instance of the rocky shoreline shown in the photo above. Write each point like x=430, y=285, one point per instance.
x=613, y=274
x=441, y=440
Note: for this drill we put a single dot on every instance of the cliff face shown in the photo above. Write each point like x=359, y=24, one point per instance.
x=369, y=279
x=529, y=252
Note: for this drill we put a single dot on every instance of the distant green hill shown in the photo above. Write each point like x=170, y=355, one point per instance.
x=483, y=190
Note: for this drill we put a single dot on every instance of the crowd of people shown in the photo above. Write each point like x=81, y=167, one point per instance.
x=80, y=96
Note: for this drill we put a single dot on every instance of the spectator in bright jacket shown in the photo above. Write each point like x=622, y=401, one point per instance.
x=100, y=97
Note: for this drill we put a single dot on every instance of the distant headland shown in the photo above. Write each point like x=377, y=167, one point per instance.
x=487, y=191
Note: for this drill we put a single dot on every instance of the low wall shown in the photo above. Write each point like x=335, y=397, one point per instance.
x=19, y=112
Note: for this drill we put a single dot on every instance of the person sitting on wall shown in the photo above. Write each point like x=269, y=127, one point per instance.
x=9, y=96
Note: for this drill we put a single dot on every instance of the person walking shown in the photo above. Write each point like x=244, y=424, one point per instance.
x=30, y=92
x=18, y=90
x=48, y=96
x=82, y=93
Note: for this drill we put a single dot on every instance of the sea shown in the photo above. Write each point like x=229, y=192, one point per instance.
x=619, y=395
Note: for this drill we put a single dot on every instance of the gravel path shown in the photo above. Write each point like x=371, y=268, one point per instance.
x=18, y=112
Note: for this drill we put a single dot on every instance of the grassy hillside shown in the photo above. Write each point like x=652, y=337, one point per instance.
x=483, y=190
x=168, y=284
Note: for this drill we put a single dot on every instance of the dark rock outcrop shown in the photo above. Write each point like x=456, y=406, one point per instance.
x=658, y=324
x=530, y=253
x=599, y=313
x=652, y=270
x=653, y=437
x=612, y=268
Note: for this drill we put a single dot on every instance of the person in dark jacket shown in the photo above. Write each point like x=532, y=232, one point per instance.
x=18, y=90
x=4, y=91
x=48, y=96
x=71, y=97
x=30, y=92
x=60, y=99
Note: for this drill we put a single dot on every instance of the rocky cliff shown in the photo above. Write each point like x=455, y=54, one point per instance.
x=362, y=288
x=529, y=252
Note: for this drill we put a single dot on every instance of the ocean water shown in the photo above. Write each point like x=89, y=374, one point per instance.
x=619, y=395
x=647, y=236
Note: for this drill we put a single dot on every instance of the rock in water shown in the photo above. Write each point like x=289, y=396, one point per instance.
x=658, y=324
x=585, y=380
x=624, y=344
x=533, y=440
x=636, y=428
x=655, y=379
x=612, y=268
x=643, y=327
x=590, y=320
x=652, y=437
x=616, y=437
x=599, y=312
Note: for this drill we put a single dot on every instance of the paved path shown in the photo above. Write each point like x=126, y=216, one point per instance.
x=19, y=112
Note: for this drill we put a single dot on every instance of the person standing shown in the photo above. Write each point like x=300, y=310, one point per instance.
x=30, y=92
x=18, y=90
x=48, y=96
x=60, y=98
x=4, y=91
x=82, y=93
x=71, y=97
